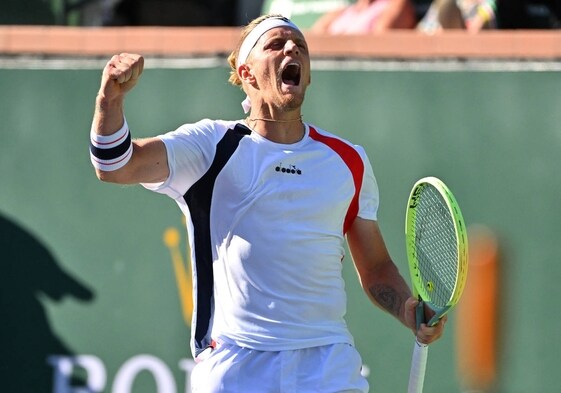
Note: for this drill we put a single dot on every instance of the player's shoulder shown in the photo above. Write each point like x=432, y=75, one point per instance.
x=319, y=132
x=209, y=125
x=205, y=129
x=325, y=136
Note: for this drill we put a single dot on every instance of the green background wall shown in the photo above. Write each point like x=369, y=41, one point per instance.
x=85, y=272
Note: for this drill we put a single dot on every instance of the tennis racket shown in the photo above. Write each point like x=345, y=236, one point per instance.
x=436, y=240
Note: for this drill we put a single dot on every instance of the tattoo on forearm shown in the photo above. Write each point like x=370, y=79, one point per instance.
x=388, y=298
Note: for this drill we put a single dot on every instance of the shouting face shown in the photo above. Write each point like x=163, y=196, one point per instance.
x=278, y=69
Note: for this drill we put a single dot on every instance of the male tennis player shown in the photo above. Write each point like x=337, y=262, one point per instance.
x=269, y=201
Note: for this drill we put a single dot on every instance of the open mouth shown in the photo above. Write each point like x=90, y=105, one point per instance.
x=291, y=74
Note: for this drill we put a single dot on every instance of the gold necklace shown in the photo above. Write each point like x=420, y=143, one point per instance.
x=273, y=120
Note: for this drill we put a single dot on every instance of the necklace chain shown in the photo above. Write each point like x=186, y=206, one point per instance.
x=273, y=120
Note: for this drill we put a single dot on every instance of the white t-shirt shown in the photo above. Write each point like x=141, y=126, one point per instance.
x=266, y=226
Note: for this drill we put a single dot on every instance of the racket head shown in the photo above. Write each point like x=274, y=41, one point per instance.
x=436, y=245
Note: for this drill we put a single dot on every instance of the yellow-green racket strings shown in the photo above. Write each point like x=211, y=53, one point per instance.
x=436, y=246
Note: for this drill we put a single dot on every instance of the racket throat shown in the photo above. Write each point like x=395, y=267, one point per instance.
x=420, y=315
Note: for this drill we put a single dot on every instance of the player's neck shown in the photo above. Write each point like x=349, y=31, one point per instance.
x=280, y=129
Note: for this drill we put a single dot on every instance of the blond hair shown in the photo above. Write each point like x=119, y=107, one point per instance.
x=233, y=58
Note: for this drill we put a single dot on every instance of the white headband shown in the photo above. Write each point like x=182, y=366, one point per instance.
x=252, y=38
x=254, y=35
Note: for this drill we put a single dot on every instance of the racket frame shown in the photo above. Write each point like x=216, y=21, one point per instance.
x=420, y=290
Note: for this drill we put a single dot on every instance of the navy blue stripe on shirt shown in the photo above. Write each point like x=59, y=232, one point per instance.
x=198, y=199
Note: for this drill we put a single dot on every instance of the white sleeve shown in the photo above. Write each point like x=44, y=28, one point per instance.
x=190, y=151
x=369, y=197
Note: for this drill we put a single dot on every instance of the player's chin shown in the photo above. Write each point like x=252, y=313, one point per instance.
x=293, y=100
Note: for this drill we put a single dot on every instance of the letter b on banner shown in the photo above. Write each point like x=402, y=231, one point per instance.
x=63, y=370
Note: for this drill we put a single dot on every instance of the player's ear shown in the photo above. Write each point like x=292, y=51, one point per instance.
x=245, y=73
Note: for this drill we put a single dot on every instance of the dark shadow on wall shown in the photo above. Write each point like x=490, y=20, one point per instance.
x=175, y=13
x=29, y=273
x=26, y=12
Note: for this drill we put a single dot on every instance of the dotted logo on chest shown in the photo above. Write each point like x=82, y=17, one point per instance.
x=290, y=169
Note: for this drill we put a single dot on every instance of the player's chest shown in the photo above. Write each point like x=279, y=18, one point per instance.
x=306, y=178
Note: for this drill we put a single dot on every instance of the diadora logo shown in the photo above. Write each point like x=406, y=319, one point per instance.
x=290, y=169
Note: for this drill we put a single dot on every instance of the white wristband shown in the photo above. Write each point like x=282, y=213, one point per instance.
x=111, y=152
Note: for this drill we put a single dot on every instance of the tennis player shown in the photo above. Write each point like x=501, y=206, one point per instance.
x=269, y=201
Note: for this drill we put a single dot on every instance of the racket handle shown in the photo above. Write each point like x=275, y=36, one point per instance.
x=418, y=367
x=420, y=313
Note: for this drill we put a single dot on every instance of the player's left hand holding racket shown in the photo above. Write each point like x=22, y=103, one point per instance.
x=436, y=240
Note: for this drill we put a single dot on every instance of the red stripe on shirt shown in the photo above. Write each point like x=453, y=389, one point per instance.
x=353, y=161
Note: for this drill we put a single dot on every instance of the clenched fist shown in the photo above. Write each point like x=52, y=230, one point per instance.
x=120, y=75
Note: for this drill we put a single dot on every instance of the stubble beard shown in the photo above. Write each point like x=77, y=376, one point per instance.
x=292, y=103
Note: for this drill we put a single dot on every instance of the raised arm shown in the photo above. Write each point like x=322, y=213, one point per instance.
x=115, y=157
x=381, y=279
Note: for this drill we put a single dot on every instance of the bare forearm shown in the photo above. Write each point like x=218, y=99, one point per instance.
x=115, y=156
x=378, y=274
x=119, y=76
x=108, y=115
x=389, y=291
x=381, y=279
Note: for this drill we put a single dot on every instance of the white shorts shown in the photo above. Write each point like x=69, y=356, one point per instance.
x=326, y=369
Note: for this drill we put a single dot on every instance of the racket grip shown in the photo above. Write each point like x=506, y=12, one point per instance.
x=418, y=368
x=420, y=313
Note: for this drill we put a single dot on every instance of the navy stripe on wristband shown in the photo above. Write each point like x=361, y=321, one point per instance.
x=111, y=152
